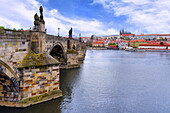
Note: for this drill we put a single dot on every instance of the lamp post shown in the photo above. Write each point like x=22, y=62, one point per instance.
x=58, y=31
x=80, y=37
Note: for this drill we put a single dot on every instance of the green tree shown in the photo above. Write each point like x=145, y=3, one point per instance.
x=89, y=44
x=121, y=37
x=98, y=45
x=2, y=27
x=112, y=44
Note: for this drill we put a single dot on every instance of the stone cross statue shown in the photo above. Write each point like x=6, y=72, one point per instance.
x=70, y=33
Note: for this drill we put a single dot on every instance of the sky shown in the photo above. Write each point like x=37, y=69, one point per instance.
x=99, y=17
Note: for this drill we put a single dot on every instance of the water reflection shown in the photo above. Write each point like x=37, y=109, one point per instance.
x=68, y=79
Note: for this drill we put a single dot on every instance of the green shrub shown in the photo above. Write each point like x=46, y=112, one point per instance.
x=112, y=44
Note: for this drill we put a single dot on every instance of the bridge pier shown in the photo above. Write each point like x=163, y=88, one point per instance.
x=39, y=79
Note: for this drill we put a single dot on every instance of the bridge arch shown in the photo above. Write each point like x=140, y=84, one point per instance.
x=8, y=78
x=58, y=52
x=4, y=67
x=9, y=88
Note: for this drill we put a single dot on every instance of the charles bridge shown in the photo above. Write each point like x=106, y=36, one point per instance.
x=30, y=63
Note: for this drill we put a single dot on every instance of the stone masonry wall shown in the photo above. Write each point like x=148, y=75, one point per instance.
x=12, y=53
x=35, y=81
x=8, y=91
x=72, y=59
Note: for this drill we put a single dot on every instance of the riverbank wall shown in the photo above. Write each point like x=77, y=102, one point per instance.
x=148, y=50
x=97, y=48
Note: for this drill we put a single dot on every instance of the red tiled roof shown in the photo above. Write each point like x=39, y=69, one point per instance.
x=128, y=35
x=164, y=35
x=155, y=44
x=112, y=46
x=140, y=40
x=98, y=42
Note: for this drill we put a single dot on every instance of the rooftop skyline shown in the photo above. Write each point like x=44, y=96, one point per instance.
x=99, y=17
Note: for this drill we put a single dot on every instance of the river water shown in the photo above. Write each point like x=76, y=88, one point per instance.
x=111, y=81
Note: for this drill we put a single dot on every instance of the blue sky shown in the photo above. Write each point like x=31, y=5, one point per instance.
x=99, y=17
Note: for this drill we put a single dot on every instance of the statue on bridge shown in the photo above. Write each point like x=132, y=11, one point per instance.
x=70, y=37
x=70, y=33
x=41, y=15
x=80, y=37
x=36, y=22
x=39, y=23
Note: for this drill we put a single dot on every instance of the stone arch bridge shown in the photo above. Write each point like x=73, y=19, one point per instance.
x=58, y=48
x=30, y=62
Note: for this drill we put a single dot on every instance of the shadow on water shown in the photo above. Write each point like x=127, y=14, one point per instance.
x=67, y=78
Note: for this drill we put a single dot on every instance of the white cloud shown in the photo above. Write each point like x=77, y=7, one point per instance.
x=137, y=2
x=6, y=21
x=15, y=13
x=18, y=13
x=151, y=16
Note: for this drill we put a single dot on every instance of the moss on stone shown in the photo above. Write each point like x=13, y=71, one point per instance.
x=71, y=51
x=33, y=59
x=40, y=97
x=74, y=65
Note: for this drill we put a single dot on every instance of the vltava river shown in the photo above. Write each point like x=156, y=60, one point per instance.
x=112, y=81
